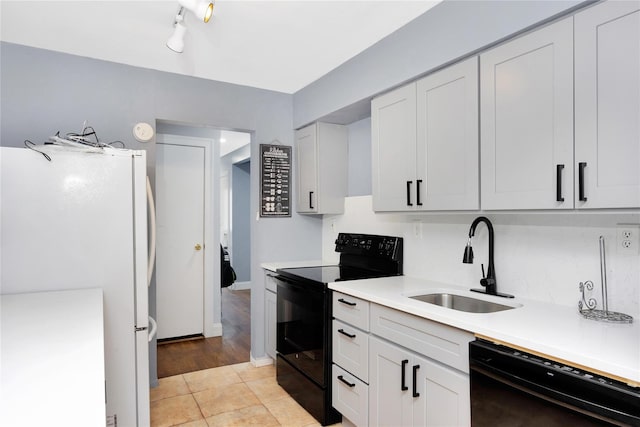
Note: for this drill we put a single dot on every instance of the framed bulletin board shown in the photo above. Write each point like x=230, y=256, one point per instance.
x=275, y=180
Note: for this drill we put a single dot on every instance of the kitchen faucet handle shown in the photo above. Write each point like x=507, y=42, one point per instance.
x=482, y=268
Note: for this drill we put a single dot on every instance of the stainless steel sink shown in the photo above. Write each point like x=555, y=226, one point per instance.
x=462, y=303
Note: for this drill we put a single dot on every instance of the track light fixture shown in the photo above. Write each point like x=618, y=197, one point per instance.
x=176, y=41
x=203, y=9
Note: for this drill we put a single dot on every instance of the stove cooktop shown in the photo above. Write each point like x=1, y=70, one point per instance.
x=330, y=273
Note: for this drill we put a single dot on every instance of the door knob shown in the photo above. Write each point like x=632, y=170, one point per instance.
x=198, y=247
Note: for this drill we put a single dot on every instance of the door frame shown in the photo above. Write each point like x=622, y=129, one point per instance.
x=211, y=299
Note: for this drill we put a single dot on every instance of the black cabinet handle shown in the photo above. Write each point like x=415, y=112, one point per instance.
x=347, y=302
x=310, y=200
x=341, y=378
x=403, y=380
x=418, y=202
x=559, y=197
x=581, y=195
x=415, y=380
x=409, y=193
x=346, y=333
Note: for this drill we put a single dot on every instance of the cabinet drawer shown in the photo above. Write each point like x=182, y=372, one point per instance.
x=351, y=310
x=350, y=396
x=351, y=349
x=445, y=344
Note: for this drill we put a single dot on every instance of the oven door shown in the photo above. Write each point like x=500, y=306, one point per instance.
x=301, y=331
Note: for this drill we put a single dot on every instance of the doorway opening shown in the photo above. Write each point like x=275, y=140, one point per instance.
x=224, y=337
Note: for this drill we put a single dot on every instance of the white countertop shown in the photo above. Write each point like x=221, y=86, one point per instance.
x=52, y=354
x=557, y=331
x=273, y=266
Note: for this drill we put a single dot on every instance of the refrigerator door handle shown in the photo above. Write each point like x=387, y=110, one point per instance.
x=154, y=328
x=152, y=240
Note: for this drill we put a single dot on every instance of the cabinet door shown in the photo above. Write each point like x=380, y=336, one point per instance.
x=607, y=105
x=527, y=121
x=444, y=395
x=307, y=156
x=447, y=138
x=393, y=139
x=389, y=404
x=270, y=323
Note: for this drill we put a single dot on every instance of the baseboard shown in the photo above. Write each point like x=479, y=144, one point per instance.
x=240, y=286
x=261, y=361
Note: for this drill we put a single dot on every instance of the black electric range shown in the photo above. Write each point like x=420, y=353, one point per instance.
x=304, y=301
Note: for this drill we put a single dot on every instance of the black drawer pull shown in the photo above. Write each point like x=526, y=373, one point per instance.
x=403, y=384
x=581, y=195
x=418, y=202
x=415, y=380
x=310, y=200
x=559, y=197
x=341, y=378
x=352, y=304
x=409, y=193
x=346, y=333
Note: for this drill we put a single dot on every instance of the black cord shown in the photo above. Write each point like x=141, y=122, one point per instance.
x=30, y=145
x=117, y=142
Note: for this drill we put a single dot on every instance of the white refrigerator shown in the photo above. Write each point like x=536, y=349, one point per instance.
x=80, y=221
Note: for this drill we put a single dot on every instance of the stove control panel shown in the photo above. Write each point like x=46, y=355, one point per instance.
x=370, y=245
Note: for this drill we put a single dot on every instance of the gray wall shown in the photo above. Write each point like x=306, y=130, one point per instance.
x=45, y=91
x=359, y=163
x=447, y=32
x=241, y=220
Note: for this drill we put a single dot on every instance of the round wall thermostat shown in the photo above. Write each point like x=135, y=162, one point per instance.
x=143, y=132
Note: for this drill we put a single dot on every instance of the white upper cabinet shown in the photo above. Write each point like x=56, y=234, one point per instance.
x=607, y=105
x=527, y=121
x=393, y=139
x=321, y=152
x=447, y=138
x=425, y=143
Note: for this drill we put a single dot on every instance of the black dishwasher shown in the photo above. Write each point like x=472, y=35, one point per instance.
x=513, y=388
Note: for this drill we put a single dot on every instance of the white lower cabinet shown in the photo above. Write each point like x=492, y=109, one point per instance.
x=270, y=314
x=410, y=390
x=403, y=370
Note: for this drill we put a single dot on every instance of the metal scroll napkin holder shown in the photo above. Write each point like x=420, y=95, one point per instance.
x=588, y=307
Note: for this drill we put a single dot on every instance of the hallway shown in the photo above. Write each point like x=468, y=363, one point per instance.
x=204, y=353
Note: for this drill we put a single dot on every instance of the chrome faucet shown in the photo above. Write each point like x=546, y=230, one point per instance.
x=488, y=282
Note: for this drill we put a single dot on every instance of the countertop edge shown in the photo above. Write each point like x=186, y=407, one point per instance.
x=388, y=292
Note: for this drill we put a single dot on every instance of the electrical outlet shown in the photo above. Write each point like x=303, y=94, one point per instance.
x=628, y=239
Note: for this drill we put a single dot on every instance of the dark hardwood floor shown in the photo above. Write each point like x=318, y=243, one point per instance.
x=203, y=353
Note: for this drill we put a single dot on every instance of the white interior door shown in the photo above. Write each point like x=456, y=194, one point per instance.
x=180, y=186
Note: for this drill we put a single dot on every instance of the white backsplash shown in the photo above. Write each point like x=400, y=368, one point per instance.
x=540, y=256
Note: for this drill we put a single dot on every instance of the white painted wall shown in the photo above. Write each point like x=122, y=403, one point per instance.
x=540, y=256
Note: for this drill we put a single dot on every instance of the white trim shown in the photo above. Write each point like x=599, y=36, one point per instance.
x=211, y=303
x=216, y=330
x=261, y=361
x=240, y=286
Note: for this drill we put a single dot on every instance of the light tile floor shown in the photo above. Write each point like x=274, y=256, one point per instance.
x=236, y=395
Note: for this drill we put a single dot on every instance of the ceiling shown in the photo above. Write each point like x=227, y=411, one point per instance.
x=277, y=45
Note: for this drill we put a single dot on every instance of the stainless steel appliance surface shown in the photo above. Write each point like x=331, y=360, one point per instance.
x=303, y=342
x=511, y=387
